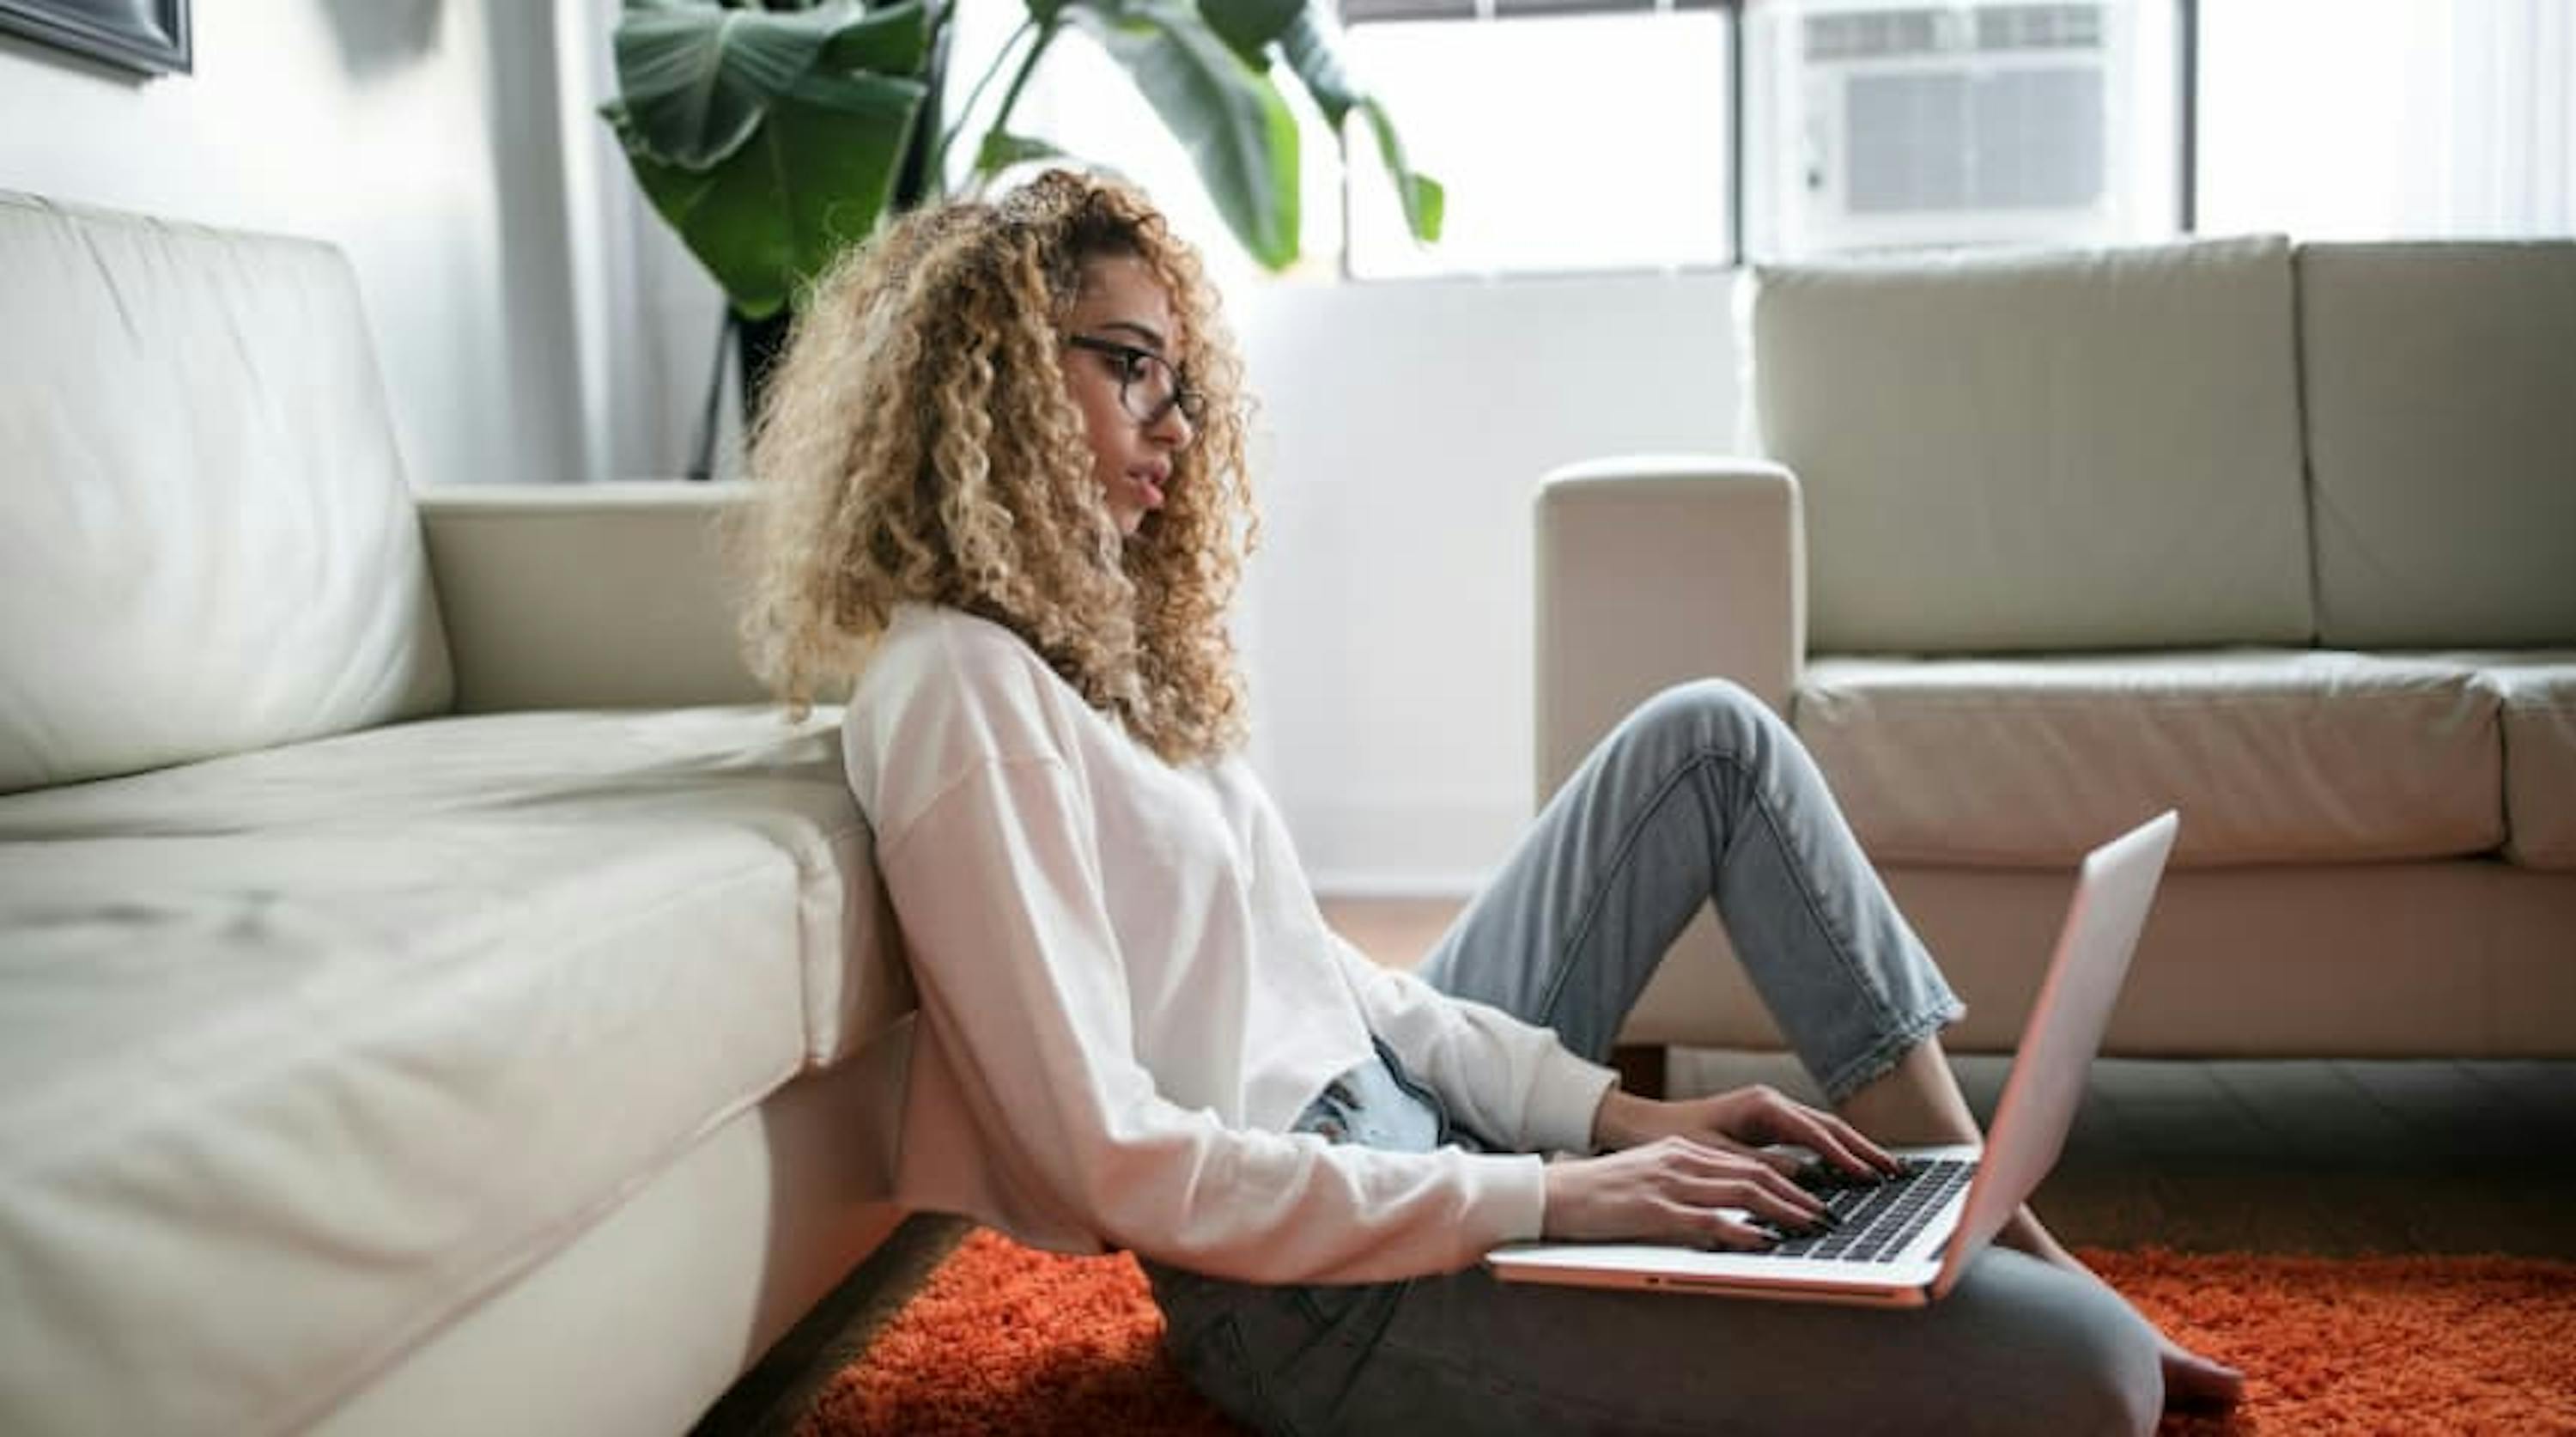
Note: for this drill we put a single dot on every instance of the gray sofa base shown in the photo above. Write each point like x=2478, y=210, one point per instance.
x=704, y=1267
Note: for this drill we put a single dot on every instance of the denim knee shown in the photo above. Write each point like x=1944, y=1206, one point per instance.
x=1703, y=715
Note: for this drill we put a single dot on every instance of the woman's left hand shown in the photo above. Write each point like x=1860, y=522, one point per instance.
x=1747, y=1121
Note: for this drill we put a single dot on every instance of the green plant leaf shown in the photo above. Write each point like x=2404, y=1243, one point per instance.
x=813, y=178
x=1249, y=26
x=696, y=78
x=892, y=41
x=1001, y=151
x=1229, y=116
x=1426, y=202
x=1312, y=45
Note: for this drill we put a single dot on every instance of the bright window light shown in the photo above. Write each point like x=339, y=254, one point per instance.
x=2433, y=120
x=1585, y=142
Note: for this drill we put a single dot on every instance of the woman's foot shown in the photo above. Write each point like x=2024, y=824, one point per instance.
x=2194, y=1383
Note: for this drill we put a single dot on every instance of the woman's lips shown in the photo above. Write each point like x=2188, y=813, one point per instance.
x=1149, y=487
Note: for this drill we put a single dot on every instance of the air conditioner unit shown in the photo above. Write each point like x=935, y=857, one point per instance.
x=1874, y=124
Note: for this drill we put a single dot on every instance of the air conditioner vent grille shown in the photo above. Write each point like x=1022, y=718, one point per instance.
x=2039, y=27
x=1903, y=33
x=2016, y=139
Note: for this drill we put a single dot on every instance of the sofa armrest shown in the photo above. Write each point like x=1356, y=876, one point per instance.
x=586, y=595
x=1653, y=570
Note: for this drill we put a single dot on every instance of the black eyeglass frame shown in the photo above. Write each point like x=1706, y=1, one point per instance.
x=1192, y=403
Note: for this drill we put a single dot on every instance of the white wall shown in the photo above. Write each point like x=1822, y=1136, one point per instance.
x=416, y=134
x=1389, y=624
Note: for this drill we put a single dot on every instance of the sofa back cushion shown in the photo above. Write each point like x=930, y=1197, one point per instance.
x=2441, y=413
x=2055, y=450
x=209, y=546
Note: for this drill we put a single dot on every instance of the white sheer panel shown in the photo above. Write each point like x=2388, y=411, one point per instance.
x=645, y=312
x=2430, y=120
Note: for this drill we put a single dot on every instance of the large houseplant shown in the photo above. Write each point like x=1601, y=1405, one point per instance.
x=772, y=137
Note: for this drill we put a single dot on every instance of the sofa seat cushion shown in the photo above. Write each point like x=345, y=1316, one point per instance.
x=2272, y=756
x=315, y=1047
x=2537, y=688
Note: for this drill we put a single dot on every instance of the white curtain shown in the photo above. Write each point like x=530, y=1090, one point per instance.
x=2506, y=157
x=645, y=313
x=2372, y=119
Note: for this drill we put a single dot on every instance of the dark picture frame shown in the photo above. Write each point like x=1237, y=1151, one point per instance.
x=150, y=36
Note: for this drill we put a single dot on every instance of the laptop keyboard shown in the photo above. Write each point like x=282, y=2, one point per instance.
x=1874, y=1221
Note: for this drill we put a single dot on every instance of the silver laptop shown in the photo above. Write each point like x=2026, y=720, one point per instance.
x=1905, y=1242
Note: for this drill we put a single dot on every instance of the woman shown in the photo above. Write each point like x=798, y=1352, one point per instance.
x=1002, y=492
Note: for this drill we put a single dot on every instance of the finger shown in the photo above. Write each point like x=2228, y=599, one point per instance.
x=1756, y=1190
x=1708, y=1162
x=1784, y=1186
x=1715, y=1229
x=1838, y=1142
x=1785, y=1164
x=1830, y=1146
x=1714, y=1153
x=1808, y=1205
x=1801, y=1206
x=1703, y=1224
x=1861, y=1155
x=1858, y=1143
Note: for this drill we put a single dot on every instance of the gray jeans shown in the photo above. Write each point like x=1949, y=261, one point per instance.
x=1701, y=794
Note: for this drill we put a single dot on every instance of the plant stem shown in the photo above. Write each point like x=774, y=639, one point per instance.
x=1020, y=81
x=939, y=156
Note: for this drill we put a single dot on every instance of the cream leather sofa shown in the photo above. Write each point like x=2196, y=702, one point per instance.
x=433, y=992
x=2283, y=537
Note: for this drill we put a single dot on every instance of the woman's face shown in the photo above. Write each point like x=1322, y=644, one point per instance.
x=1122, y=370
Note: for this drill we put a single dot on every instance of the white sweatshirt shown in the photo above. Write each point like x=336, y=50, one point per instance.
x=1128, y=995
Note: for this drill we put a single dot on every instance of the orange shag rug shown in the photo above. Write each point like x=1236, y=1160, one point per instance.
x=1006, y=1339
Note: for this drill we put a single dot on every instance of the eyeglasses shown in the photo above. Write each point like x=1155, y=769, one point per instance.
x=1148, y=386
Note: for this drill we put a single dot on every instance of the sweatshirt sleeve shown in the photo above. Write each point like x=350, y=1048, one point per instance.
x=997, y=883
x=1510, y=1081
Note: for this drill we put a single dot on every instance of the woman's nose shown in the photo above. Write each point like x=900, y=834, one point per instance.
x=1173, y=430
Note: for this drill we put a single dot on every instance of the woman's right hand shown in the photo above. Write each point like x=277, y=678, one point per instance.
x=1669, y=1191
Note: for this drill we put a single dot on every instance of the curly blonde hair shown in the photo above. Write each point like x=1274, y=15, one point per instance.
x=918, y=445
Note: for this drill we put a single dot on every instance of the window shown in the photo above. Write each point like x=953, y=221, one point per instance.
x=1570, y=134
x=1601, y=134
x=1879, y=123
x=2433, y=120
x=1589, y=135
